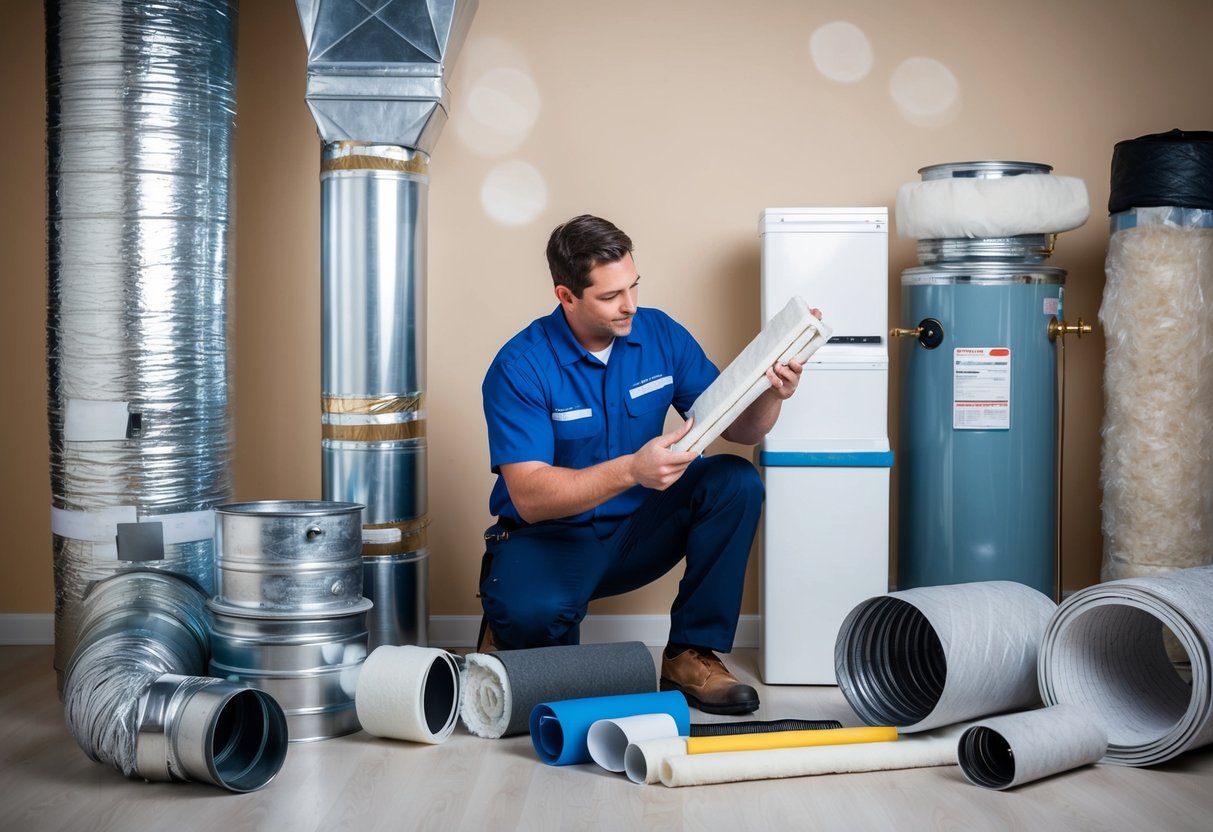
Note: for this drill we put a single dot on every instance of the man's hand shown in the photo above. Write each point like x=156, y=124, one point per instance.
x=656, y=466
x=784, y=378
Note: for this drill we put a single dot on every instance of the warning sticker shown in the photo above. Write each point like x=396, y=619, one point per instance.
x=981, y=388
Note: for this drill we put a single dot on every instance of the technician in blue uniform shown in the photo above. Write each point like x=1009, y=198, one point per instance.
x=590, y=499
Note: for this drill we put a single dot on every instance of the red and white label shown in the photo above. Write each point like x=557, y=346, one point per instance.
x=981, y=388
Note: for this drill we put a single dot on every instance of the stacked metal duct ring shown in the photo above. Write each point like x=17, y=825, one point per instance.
x=289, y=616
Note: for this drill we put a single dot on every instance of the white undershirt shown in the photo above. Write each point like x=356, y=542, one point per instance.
x=603, y=354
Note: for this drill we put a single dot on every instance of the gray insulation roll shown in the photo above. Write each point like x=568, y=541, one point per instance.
x=1007, y=751
x=502, y=688
x=922, y=658
x=1104, y=651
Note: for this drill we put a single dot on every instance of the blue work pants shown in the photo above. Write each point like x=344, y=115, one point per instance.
x=538, y=579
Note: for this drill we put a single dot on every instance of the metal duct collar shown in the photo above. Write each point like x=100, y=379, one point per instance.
x=377, y=74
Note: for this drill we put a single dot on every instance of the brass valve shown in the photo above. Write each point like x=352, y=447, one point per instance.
x=1061, y=328
x=929, y=333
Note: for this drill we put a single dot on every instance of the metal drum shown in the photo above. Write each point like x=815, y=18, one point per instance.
x=289, y=556
x=978, y=445
x=308, y=662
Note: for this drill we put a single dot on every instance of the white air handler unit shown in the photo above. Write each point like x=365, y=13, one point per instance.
x=825, y=526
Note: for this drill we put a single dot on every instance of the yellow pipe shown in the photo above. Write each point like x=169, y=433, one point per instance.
x=789, y=739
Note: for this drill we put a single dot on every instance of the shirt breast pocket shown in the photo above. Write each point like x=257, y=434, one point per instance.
x=575, y=424
x=648, y=404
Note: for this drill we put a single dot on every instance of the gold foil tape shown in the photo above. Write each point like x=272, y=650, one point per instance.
x=413, y=537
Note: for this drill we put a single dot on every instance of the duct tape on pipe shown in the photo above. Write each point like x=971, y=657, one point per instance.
x=94, y=421
x=102, y=526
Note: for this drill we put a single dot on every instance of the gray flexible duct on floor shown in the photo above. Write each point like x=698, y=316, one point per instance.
x=1105, y=652
x=933, y=656
x=1007, y=751
x=500, y=689
x=136, y=695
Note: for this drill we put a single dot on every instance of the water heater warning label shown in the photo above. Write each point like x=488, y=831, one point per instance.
x=981, y=388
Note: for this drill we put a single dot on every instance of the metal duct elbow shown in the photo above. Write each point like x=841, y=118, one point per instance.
x=135, y=695
x=378, y=75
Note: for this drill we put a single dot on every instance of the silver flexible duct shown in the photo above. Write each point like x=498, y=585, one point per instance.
x=140, y=107
x=135, y=696
x=376, y=89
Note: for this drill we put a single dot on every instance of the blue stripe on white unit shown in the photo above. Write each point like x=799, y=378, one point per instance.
x=826, y=459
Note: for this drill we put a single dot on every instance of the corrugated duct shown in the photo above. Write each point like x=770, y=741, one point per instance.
x=376, y=87
x=135, y=695
x=140, y=108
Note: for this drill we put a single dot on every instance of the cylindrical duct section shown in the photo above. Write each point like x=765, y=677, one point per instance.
x=140, y=108
x=1157, y=463
x=373, y=339
x=136, y=697
x=289, y=617
x=933, y=656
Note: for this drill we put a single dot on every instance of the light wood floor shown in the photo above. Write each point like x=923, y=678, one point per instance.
x=361, y=783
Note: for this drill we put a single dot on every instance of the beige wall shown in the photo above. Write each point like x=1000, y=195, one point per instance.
x=679, y=120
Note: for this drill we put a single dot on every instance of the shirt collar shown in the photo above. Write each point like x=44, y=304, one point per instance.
x=568, y=348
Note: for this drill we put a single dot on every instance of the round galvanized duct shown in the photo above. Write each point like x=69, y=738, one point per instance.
x=373, y=339
x=1105, y=651
x=135, y=697
x=933, y=656
x=140, y=105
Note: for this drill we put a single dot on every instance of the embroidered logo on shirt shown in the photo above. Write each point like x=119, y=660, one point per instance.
x=571, y=415
x=650, y=386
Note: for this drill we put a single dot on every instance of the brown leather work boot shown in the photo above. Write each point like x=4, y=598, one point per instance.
x=707, y=684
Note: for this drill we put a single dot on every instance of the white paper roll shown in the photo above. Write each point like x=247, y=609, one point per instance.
x=408, y=693
x=1006, y=751
x=936, y=748
x=609, y=739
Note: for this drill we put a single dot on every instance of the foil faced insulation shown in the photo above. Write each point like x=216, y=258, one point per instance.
x=136, y=697
x=140, y=107
x=376, y=89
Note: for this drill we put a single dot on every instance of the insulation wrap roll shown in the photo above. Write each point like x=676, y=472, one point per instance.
x=1157, y=463
x=932, y=656
x=1104, y=651
x=502, y=688
x=408, y=693
x=932, y=748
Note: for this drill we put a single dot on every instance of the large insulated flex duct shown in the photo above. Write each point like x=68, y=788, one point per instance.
x=1157, y=464
x=136, y=695
x=140, y=107
x=376, y=87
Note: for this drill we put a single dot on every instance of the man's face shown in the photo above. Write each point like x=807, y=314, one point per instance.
x=606, y=307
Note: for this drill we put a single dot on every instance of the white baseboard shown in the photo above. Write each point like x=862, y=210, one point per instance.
x=446, y=631
x=27, y=628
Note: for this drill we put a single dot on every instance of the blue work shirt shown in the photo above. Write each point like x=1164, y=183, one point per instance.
x=547, y=399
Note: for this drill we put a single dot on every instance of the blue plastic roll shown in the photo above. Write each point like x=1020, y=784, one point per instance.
x=559, y=729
